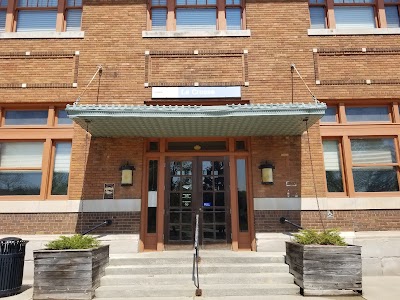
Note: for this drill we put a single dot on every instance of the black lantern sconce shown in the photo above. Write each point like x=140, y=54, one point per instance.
x=127, y=174
x=267, y=173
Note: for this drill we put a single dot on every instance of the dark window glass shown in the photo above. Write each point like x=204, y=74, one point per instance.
x=333, y=170
x=375, y=179
x=330, y=115
x=240, y=145
x=63, y=118
x=20, y=182
x=242, y=194
x=61, y=169
x=367, y=114
x=153, y=172
x=153, y=146
x=26, y=117
x=152, y=197
x=196, y=146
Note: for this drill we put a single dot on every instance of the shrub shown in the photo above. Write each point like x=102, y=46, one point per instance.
x=76, y=241
x=312, y=237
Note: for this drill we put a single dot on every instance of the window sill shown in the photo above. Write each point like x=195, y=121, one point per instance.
x=43, y=35
x=202, y=33
x=354, y=31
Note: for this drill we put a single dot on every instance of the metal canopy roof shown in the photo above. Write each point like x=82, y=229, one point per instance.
x=200, y=121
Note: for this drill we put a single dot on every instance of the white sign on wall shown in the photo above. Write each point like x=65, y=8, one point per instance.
x=196, y=92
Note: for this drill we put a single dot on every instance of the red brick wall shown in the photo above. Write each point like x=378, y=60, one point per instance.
x=104, y=158
x=64, y=223
x=344, y=220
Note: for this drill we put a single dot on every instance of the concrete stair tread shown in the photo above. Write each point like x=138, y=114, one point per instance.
x=202, y=286
x=270, y=297
x=203, y=253
x=117, y=276
x=167, y=279
x=201, y=265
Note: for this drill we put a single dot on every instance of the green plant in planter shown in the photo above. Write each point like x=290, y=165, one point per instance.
x=76, y=241
x=313, y=237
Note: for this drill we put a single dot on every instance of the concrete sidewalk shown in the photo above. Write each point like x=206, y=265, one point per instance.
x=374, y=288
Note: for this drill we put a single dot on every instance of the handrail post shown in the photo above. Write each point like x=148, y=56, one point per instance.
x=197, y=258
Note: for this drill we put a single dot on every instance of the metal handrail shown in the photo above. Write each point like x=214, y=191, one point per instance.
x=196, y=258
x=283, y=220
x=105, y=223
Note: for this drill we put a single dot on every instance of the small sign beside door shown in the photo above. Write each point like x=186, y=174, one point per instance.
x=109, y=189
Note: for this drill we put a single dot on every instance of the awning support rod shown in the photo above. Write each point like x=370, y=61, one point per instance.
x=99, y=71
x=293, y=67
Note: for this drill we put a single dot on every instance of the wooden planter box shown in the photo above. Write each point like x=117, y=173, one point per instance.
x=325, y=270
x=68, y=274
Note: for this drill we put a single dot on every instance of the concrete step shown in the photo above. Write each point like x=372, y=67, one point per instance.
x=188, y=259
x=203, y=269
x=211, y=290
x=186, y=279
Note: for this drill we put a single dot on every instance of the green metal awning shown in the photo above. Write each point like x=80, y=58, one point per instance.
x=196, y=121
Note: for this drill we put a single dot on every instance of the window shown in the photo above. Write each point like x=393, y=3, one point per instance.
x=36, y=15
x=367, y=114
x=361, y=149
x=35, y=152
x=392, y=13
x=374, y=165
x=40, y=15
x=26, y=117
x=353, y=14
x=317, y=13
x=62, y=160
x=73, y=13
x=333, y=170
x=3, y=13
x=193, y=15
x=62, y=118
x=330, y=115
x=21, y=168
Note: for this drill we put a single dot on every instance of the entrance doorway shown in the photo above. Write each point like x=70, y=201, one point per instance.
x=197, y=185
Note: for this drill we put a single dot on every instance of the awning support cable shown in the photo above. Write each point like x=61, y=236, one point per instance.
x=293, y=68
x=98, y=71
x=313, y=175
x=87, y=145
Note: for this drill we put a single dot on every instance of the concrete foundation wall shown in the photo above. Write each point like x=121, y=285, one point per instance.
x=380, y=249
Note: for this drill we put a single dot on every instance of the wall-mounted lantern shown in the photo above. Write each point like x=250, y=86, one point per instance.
x=267, y=173
x=127, y=174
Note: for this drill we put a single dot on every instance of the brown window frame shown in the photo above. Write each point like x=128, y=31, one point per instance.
x=61, y=7
x=50, y=134
x=346, y=131
x=220, y=13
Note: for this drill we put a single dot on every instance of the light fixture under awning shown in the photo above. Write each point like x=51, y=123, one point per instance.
x=196, y=121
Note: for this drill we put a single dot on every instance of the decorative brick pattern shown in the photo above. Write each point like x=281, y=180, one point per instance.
x=202, y=67
x=65, y=223
x=38, y=69
x=362, y=66
x=344, y=220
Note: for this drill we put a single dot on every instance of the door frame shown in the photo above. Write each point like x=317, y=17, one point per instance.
x=155, y=241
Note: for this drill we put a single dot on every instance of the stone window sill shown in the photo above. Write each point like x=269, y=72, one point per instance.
x=354, y=31
x=203, y=33
x=43, y=35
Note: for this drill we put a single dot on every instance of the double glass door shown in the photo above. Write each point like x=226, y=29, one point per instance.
x=197, y=185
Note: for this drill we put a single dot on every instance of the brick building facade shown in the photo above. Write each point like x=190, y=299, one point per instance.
x=53, y=171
